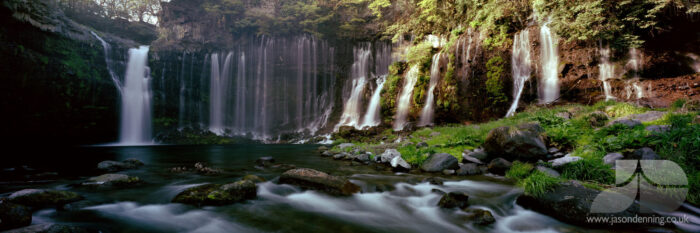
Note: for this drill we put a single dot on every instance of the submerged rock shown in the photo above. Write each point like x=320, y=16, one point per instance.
x=480, y=217
x=454, y=200
x=317, y=180
x=216, y=194
x=524, y=143
x=112, y=180
x=13, y=215
x=114, y=166
x=438, y=162
x=40, y=198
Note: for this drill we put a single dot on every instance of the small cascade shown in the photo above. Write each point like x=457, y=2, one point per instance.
x=521, y=67
x=549, y=88
x=107, y=50
x=359, y=73
x=633, y=66
x=372, y=117
x=607, y=71
x=696, y=62
x=426, y=116
x=136, y=100
x=404, y=102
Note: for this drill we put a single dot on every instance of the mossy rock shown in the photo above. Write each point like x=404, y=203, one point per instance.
x=254, y=178
x=112, y=180
x=41, y=198
x=217, y=194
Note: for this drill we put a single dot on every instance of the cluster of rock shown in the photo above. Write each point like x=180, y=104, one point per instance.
x=16, y=210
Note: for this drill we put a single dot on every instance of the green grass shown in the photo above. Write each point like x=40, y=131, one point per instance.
x=519, y=170
x=538, y=183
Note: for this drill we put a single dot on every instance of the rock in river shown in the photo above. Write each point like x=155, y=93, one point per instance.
x=216, y=194
x=114, y=166
x=438, y=162
x=13, y=215
x=454, y=200
x=41, y=198
x=317, y=180
x=112, y=180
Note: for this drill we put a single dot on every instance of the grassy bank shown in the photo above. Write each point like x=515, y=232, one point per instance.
x=586, y=134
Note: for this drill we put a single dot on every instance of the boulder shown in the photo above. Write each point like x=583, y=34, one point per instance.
x=49, y=228
x=114, y=166
x=468, y=169
x=630, y=123
x=362, y=158
x=433, y=180
x=658, y=129
x=564, y=160
x=454, y=200
x=388, y=155
x=479, y=154
x=339, y=156
x=499, y=166
x=343, y=146
x=548, y=171
x=317, y=180
x=327, y=153
x=438, y=162
x=524, y=144
x=265, y=161
x=399, y=164
x=253, y=178
x=570, y=202
x=13, y=215
x=467, y=158
x=216, y=194
x=111, y=180
x=611, y=158
x=41, y=198
x=480, y=217
x=422, y=144
x=644, y=153
x=597, y=118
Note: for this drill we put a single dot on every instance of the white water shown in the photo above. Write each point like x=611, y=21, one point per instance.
x=136, y=100
x=218, y=92
x=549, y=89
x=427, y=114
x=404, y=101
x=372, y=117
x=108, y=61
x=521, y=67
x=607, y=71
x=696, y=62
x=352, y=111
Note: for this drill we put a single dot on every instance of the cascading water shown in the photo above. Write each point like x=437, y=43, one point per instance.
x=404, y=102
x=521, y=67
x=372, y=117
x=607, y=71
x=136, y=100
x=426, y=116
x=108, y=61
x=549, y=89
x=359, y=73
x=696, y=62
x=218, y=92
x=634, y=65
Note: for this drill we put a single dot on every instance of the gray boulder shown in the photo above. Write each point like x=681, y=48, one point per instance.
x=468, y=169
x=399, y=164
x=438, y=162
x=564, y=160
x=630, y=123
x=388, y=155
x=327, y=153
x=468, y=158
x=339, y=156
x=41, y=198
x=658, y=129
x=362, y=158
x=524, y=143
x=548, y=171
x=644, y=153
x=611, y=158
x=499, y=166
x=317, y=180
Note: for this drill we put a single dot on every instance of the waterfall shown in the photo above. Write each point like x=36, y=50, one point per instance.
x=607, y=71
x=404, y=102
x=108, y=61
x=358, y=75
x=521, y=67
x=696, y=62
x=372, y=117
x=426, y=116
x=549, y=89
x=218, y=93
x=241, y=94
x=634, y=65
x=136, y=100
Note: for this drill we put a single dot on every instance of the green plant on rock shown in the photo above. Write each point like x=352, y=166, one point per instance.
x=538, y=183
x=494, y=85
x=519, y=170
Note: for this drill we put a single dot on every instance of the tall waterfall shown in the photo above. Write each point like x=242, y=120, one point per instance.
x=136, y=100
x=359, y=74
x=426, y=116
x=521, y=67
x=372, y=117
x=272, y=86
x=607, y=71
x=549, y=88
x=404, y=102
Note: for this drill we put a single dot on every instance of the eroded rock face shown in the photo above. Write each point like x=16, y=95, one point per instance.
x=13, y=215
x=524, y=143
x=438, y=162
x=40, y=198
x=317, y=180
x=216, y=194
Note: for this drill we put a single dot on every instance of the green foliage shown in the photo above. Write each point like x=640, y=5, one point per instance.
x=415, y=156
x=519, y=170
x=494, y=85
x=447, y=94
x=623, y=110
x=420, y=53
x=678, y=104
x=538, y=183
x=590, y=168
